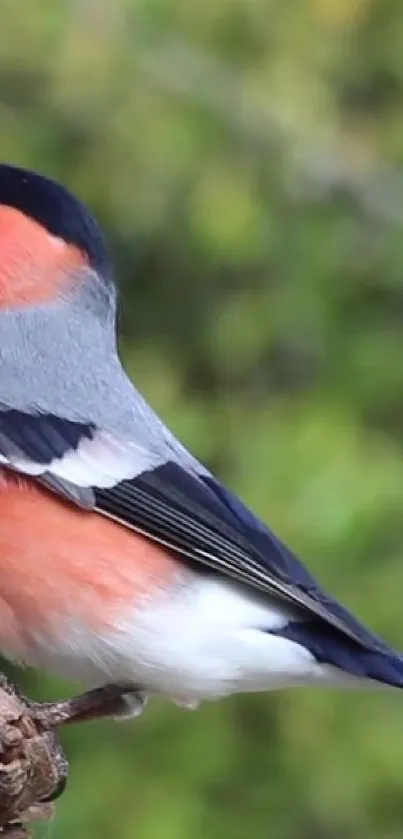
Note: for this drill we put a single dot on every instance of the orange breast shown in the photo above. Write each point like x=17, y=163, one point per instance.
x=58, y=561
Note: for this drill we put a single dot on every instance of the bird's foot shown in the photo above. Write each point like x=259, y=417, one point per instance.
x=132, y=704
x=116, y=701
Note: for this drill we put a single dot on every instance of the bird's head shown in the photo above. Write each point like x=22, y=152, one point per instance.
x=49, y=242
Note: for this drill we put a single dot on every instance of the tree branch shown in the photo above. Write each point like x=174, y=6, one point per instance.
x=33, y=768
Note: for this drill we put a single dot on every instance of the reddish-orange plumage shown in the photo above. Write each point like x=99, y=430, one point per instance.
x=58, y=561
x=33, y=263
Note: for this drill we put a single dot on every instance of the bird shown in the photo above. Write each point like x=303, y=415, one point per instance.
x=125, y=564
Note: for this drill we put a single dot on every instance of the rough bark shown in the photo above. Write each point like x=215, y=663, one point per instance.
x=33, y=768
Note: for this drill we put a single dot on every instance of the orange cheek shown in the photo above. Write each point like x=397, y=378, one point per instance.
x=57, y=561
x=32, y=262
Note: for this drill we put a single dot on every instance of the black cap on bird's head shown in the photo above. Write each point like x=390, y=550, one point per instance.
x=44, y=230
x=56, y=209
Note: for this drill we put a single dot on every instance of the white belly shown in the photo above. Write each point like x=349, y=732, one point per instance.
x=207, y=639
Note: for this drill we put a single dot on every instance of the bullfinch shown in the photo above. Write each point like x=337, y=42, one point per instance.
x=124, y=563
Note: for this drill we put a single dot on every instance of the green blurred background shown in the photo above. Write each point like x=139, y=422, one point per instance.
x=245, y=159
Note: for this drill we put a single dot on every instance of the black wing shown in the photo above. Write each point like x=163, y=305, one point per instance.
x=201, y=520
x=69, y=457
x=36, y=443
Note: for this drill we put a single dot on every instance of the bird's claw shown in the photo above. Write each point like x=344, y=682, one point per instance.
x=107, y=701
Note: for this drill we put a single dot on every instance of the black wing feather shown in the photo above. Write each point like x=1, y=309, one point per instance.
x=204, y=522
x=40, y=439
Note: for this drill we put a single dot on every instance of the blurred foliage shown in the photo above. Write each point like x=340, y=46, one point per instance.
x=244, y=157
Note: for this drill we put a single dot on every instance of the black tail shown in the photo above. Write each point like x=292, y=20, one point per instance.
x=329, y=646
